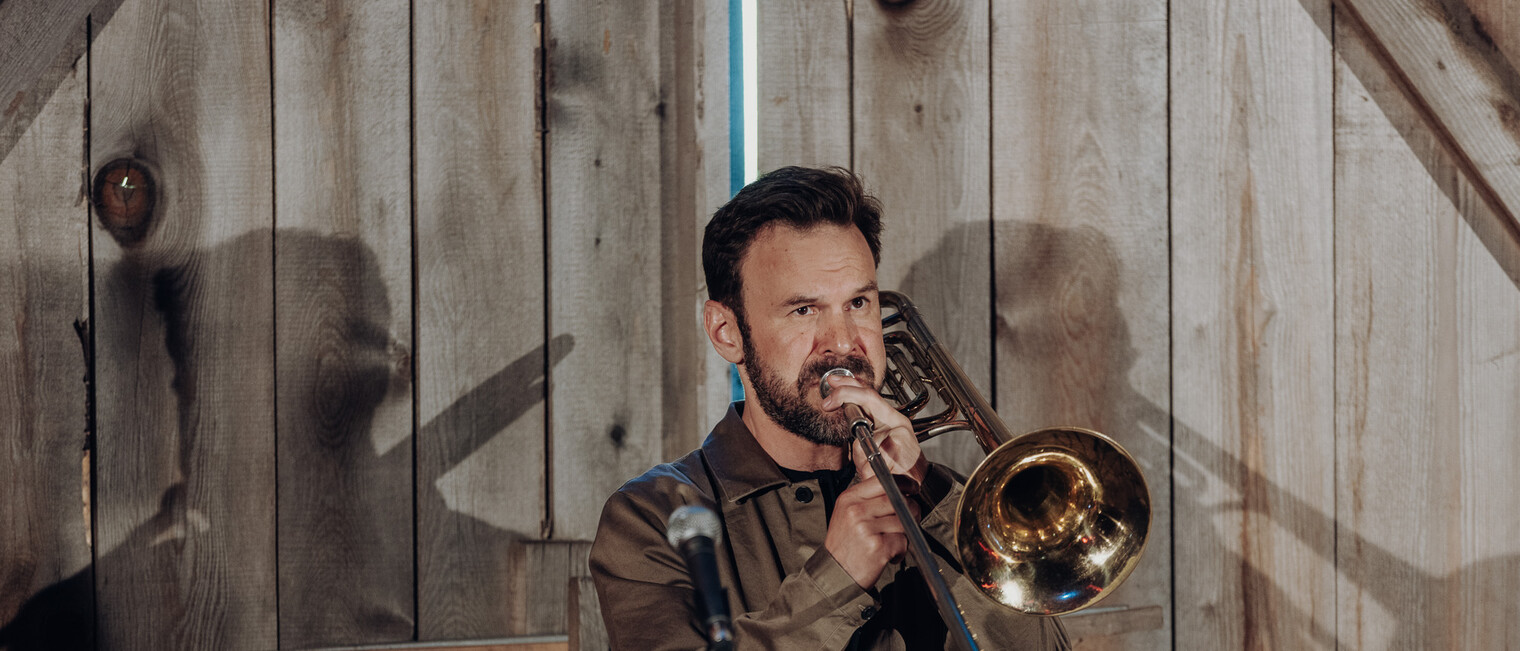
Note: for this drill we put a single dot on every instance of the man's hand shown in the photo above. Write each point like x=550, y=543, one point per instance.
x=865, y=533
x=893, y=433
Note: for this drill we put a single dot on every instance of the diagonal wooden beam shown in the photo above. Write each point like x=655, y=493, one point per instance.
x=1457, y=77
x=39, y=42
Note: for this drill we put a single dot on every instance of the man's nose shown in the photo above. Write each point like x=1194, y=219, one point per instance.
x=838, y=335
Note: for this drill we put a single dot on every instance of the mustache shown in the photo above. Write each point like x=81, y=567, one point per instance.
x=813, y=371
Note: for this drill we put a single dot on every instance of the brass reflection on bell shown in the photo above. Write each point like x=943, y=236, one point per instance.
x=1052, y=520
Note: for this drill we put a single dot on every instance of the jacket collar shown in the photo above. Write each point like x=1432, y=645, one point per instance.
x=741, y=466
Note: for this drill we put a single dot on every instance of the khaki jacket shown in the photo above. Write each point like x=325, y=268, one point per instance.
x=784, y=589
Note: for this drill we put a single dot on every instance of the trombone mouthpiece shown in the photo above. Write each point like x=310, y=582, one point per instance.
x=824, y=388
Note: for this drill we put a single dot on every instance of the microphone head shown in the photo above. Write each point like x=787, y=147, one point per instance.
x=824, y=388
x=690, y=521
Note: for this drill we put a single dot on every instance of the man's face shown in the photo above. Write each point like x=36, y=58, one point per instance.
x=810, y=305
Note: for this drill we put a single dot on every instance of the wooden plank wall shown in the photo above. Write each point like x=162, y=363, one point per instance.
x=481, y=363
x=326, y=359
x=420, y=289
x=185, y=318
x=46, y=576
x=1427, y=280
x=1252, y=324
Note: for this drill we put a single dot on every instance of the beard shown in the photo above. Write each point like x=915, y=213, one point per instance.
x=788, y=405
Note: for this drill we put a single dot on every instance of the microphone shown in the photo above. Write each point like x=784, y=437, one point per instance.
x=852, y=411
x=694, y=530
x=858, y=420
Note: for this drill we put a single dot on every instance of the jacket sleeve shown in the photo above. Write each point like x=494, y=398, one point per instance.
x=648, y=601
x=995, y=626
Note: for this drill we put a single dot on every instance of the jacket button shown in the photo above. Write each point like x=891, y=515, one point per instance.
x=804, y=495
x=868, y=612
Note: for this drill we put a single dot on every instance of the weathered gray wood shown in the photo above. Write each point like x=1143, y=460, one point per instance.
x=604, y=121
x=1252, y=311
x=44, y=256
x=1079, y=158
x=804, y=77
x=587, y=630
x=712, y=115
x=39, y=45
x=481, y=343
x=185, y=373
x=1461, y=81
x=694, y=183
x=1084, y=627
x=541, y=574
x=921, y=124
x=1427, y=375
x=343, y=328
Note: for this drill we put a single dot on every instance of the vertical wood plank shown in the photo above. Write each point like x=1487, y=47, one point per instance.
x=804, y=77
x=921, y=124
x=587, y=630
x=1426, y=343
x=712, y=114
x=481, y=347
x=184, y=348
x=39, y=43
x=604, y=120
x=544, y=571
x=694, y=183
x=343, y=326
x=45, y=554
x=1252, y=309
x=1079, y=153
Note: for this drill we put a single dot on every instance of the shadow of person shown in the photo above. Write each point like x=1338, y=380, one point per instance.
x=346, y=548
x=1065, y=355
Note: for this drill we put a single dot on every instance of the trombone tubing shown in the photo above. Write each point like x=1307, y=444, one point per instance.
x=917, y=545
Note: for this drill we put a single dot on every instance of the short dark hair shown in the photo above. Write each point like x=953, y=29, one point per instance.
x=801, y=197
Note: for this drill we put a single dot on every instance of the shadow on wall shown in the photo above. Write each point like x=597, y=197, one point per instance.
x=336, y=370
x=1065, y=353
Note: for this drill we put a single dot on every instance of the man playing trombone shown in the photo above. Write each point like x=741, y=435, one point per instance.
x=812, y=553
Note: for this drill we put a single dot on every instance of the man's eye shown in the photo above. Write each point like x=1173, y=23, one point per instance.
x=804, y=310
x=858, y=303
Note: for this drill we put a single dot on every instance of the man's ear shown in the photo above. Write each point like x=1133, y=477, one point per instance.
x=722, y=327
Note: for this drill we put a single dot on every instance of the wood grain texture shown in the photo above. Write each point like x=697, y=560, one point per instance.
x=482, y=349
x=712, y=114
x=542, y=573
x=1079, y=278
x=46, y=585
x=921, y=121
x=185, y=380
x=1500, y=21
x=604, y=120
x=1461, y=80
x=1085, y=627
x=39, y=45
x=804, y=77
x=587, y=630
x=343, y=327
x=1252, y=317
x=1426, y=344
x=693, y=184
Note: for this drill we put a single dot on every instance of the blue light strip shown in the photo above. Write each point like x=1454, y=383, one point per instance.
x=735, y=132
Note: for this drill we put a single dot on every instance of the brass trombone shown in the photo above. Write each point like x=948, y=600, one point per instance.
x=1049, y=522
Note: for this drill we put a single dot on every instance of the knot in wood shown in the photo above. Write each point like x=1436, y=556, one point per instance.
x=124, y=195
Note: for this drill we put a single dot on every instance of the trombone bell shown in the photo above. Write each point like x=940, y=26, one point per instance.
x=1049, y=522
